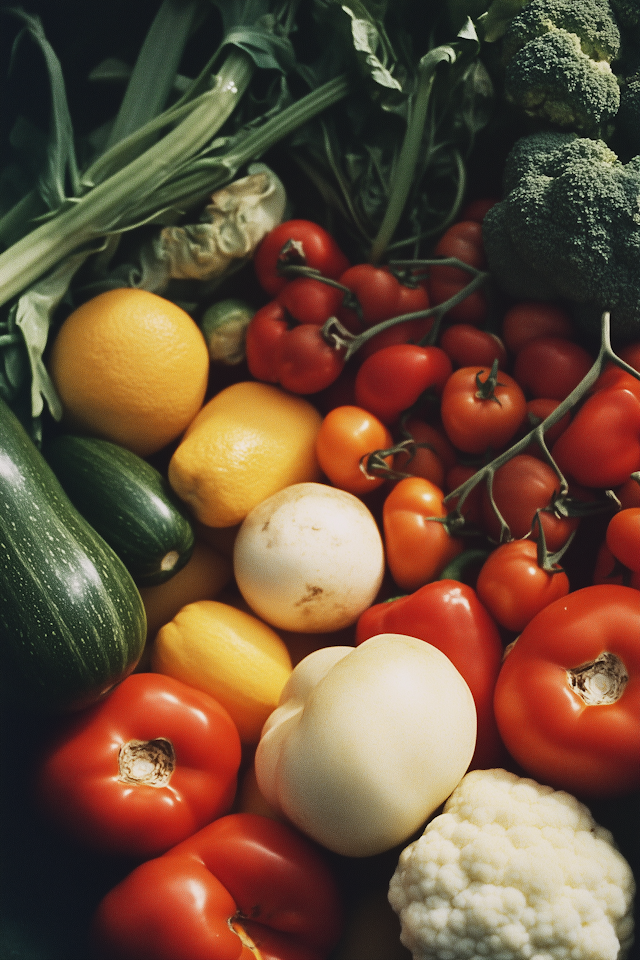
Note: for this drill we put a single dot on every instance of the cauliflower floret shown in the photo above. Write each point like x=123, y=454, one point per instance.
x=513, y=870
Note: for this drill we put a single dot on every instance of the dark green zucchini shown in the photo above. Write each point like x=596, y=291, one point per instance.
x=128, y=502
x=72, y=622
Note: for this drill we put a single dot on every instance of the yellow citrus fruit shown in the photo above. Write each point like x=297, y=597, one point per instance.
x=231, y=655
x=130, y=366
x=205, y=575
x=249, y=441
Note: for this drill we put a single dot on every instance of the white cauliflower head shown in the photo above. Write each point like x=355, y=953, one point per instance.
x=513, y=870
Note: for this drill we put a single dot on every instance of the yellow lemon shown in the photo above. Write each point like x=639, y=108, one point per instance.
x=249, y=441
x=231, y=655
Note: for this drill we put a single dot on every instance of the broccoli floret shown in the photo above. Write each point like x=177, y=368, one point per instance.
x=571, y=218
x=628, y=118
x=558, y=56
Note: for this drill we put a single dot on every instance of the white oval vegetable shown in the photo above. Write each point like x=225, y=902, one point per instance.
x=309, y=558
x=367, y=742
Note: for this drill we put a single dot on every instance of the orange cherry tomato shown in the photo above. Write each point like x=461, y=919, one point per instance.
x=417, y=543
x=347, y=435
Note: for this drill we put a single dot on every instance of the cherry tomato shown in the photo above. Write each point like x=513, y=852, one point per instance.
x=417, y=543
x=601, y=446
x=430, y=456
x=623, y=537
x=522, y=486
x=481, y=409
x=263, y=340
x=347, y=434
x=307, y=362
x=551, y=367
x=411, y=299
x=471, y=508
x=538, y=409
x=534, y=318
x=514, y=587
x=469, y=346
x=309, y=300
x=567, y=699
x=608, y=569
x=377, y=292
x=629, y=493
x=392, y=379
x=462, y=240
x=300, y=242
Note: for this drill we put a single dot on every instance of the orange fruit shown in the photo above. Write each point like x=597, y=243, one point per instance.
x=249, y=441
x=203, y=577
x=130, y=366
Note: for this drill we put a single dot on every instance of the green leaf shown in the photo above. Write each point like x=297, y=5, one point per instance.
x=59, y=176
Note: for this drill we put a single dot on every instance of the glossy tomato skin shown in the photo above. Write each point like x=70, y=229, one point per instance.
x=392, y=379
x=299, y=242
x=521, y=487
x=244, y=872
x=347, y=435
x=418, y=545
x=529, y=319
x=306, y=362
x=601, y=446
x=514, y=587
x=623, y=537
x=263, y=341
x=589, y=750
x=376, y=291
x=308, y=300
x=477, y=419
x=79, y=782
x=429, y=455
x=449, y=615
x=462, y=240
x=468, y=346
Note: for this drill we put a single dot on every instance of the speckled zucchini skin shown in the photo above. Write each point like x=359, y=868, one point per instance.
x=72, y=622
x=127, y=501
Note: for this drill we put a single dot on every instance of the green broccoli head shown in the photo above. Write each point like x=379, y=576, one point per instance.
x=591, y=21
x=570, y=221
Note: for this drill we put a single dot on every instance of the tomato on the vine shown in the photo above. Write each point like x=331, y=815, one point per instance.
x=481, y=409
x=376, y=291
x=309, y=300
x=347, y=435
x=392, y=379
x=411, y=299
x=428, y=452
x=514, y=587
x=301, y=243
x=462, y=240
x=523, y=488
x=307, y=362
x=418, y=543
x=467, y=346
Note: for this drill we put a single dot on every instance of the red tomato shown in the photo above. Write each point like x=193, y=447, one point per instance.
x=521, y=487
x=449, y=615
x=514, y=587
x=481, y=409
x=411, y=299
x=623, y=537
x=428, y=454
x=469, y=346
x=243, y=887
x=418, y=545
x=376, y=291
x=551, y=367
x=310, y=301
x=298, y=242
x=629, y=493
x=143, y=769
x=601, y=446
x=392, y=379
x=263, y=339
x=463, y=241
x=471, y=508
x=306, y=362
x=346, y=436
x=608, y=569
x=532, y=318
x=564, y=709
x=538, y=410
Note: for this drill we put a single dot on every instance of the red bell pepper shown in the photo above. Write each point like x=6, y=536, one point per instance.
x=141, y=770
x=449, y=615
x=245, y=887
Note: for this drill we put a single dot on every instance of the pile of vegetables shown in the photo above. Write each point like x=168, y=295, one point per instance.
x=422, y=225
